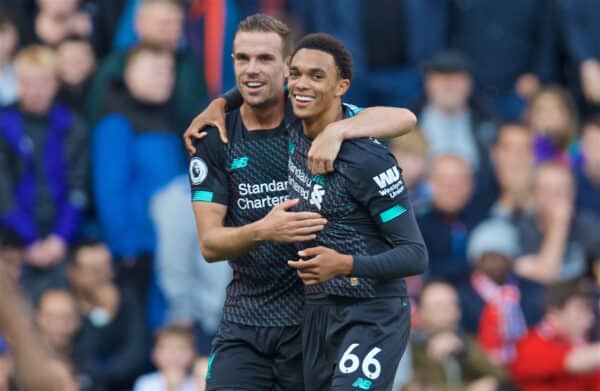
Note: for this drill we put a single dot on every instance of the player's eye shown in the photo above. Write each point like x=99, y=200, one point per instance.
x=294, y=74
x=265, y=58
x=240, y=58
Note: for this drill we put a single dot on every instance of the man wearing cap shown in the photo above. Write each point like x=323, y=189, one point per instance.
x=497, y=305
x=449, y=121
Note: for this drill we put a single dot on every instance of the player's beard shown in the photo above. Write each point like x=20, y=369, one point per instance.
x=270, y=99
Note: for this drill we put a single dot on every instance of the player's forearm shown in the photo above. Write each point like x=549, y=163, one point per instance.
x=407, y=257
x=402, y=261
x=223, y=243
x=379, y=122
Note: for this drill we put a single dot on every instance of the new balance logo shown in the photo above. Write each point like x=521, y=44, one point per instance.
x=240, y=162
x=362, y=384
x=316, y=197
x=387, y=177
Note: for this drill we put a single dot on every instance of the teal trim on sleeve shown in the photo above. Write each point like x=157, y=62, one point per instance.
x=352, y=110
x=392, y=213
x=202, y=196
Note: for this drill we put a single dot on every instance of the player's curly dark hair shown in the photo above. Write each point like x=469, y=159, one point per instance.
x=331, y=45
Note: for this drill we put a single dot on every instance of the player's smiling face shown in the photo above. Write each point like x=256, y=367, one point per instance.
x=314, y=83
x=260, y=68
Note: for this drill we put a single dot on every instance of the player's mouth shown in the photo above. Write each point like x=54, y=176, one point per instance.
x=303, y=100
x=254, y=86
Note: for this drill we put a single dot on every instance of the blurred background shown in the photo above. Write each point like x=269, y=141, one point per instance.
x=503, y=171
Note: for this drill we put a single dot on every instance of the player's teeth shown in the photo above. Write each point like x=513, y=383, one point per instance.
x=304, y=98
x=254, y=84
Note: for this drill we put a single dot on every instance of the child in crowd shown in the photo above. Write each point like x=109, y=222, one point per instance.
x=553, y=118
x=173, y=356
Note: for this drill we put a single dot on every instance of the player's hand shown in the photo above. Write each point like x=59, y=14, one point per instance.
x=213, y=115
x=322, y=264
x=325, y=149
x=280, y=225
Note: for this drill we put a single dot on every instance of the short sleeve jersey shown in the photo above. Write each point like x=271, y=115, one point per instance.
x=249, y=176
x=360, y=199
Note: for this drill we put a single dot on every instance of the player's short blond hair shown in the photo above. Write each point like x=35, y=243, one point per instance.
x=263, y=23
x=37, y=56
x=413, y=142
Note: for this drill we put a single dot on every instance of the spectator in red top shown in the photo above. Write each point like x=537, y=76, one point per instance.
x=554, y=355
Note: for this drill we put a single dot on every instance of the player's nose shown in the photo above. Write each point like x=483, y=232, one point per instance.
x=252, y=66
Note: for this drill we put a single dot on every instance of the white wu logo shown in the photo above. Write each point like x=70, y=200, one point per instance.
x=316, y=197
x=387, y=177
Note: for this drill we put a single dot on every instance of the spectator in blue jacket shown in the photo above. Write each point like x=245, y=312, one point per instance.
x=43, y=162
x=135, y=152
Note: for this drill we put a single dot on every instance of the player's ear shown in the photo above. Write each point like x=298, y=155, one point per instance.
x=342, y=87
x=286, y=65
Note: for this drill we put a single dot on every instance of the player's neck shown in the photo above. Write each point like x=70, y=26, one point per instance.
x=314, y=126
x=267, y=116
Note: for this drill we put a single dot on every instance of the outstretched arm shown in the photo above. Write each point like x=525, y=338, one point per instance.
x=376, y=122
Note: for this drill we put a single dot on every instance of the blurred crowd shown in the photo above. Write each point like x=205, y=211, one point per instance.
x=96, y=223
